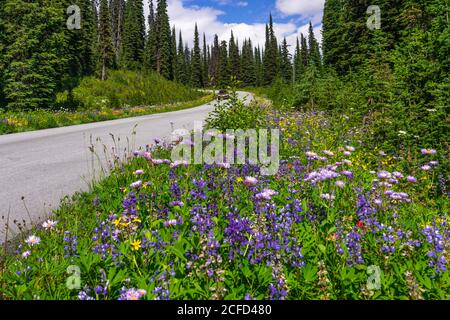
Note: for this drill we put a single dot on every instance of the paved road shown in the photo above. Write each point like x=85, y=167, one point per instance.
x=44, y=166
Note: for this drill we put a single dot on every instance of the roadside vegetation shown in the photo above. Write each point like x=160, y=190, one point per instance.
x=125, y=94
x=342, y=219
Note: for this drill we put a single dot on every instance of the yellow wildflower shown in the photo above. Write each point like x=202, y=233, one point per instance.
x=136, y=245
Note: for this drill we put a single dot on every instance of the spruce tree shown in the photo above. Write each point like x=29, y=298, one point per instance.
x=163, y=41
x=313, y=47
x=214, y=64
x=248, y=64
x=196, y=64
x=117, y=8
x=205, y=73
x=286, y=65
x=224, y=68
x=271, y=56
x=151, y=48
x=173, y=55
x=35, y=58
x=234, y=57
x=105, y=49
x=133, y=35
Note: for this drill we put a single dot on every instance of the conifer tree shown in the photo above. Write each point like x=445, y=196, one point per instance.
x=313, y=47
x=133, y=35
x=234, y=58
x=106, y=49
x=163, y=41
x=286, y=65
x=173, y=55
x=224, y=68
x=151, y=48
x=205, y=75
x=117, y=8
x=196, y=64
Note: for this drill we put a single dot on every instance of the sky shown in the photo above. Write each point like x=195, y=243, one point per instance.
x=247, y=18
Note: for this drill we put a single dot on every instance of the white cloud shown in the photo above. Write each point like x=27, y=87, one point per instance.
x=184, y=17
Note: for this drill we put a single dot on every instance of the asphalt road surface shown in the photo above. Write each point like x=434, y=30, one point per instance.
x=39, y=168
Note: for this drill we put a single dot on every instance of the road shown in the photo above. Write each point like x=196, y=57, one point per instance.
x=44, y=166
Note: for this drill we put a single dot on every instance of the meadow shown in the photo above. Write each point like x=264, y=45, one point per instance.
x=342, y=219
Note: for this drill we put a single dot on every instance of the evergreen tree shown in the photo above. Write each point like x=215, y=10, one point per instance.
x=133, y=35
x=234, y=57
x=271, y=57
x=286, y=65
x=117, y=8
x=151, y=48
x=173, y=55
x=313, y=46
x=162, y=29
x=181, y=67
x=224, y=68
x=304, y=51
x=196, y=64
x=248, y=64
x=214, y=63
x=106, y=49
x=35, y=58
x=298, y=62
x=205, y=75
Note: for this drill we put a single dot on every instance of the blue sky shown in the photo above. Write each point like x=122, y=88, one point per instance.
x=247, y=18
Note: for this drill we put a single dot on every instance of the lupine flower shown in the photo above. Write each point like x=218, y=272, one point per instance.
x=49, y=224
x=250, y=181
x=33, y=240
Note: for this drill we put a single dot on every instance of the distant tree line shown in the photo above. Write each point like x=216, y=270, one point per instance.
x=40, y=56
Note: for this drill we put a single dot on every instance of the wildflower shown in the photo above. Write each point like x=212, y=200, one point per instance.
x=139, y=172
x=340, y=184
x=136, y=185
x=350, y=148
x=266, y=194
x=136, y=245
x=224, y=165
x=311, y=155
x=347, y=162
x=176, y=203
x=348, y=174
x=178, y=163
x=360, y=224
x=433, y=163
x=397, y=175
x=411, y=179
x=49, y=224
x=33, y=240
x=428, y=151
x=148, y=156
x=328, y=153
x=157, y=161
x=425, y=167
x=132, y=294
x=250, y=181
x=321, y=175
x=384, y=175
x=347, y=153
x=327, y=196
x=26, y=254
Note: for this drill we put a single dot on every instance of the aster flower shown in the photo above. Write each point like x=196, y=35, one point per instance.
x=311, y=155
x=411, y=179
x=428, y=151
x=33, y=240
x=384, y=175
x=136, y=185
x=157, y=161
x=350, y=148
x=327, y=196
x=139, y=172
x=328, y=153
x=340, y=184
x=397, y=175
x=26, y=254
x=347, y=153
x=266, y=194
x=250, y=181
x=425, y=167
x=132, y=294
x=49, y=224
x=433, y=163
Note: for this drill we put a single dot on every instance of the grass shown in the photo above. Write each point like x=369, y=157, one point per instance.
x=207, y=232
